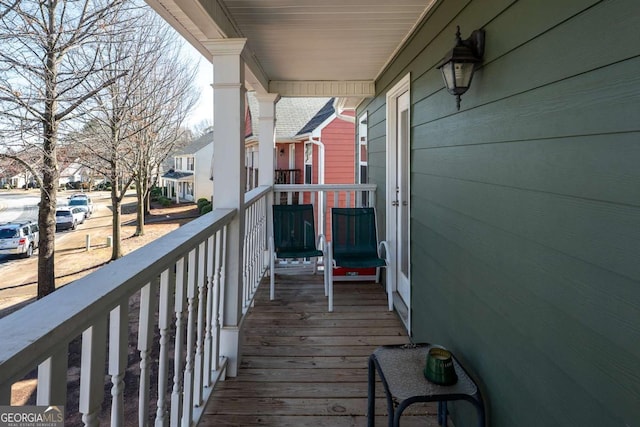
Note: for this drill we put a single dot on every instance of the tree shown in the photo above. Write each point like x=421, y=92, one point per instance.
x=137, y=119
x=47, y=61
x=166, y=96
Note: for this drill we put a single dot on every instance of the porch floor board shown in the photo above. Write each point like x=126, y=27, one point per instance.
x=303, y=366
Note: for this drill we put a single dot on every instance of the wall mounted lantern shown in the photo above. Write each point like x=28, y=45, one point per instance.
x=458, y=65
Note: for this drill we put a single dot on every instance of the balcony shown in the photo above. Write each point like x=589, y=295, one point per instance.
x=287, y=176
x=165, y=326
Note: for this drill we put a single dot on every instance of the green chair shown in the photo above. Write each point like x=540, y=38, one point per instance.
x=294, y=237
x=354, y=244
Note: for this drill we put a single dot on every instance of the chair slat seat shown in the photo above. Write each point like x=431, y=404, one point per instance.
x=298, y=253
x=359, y=261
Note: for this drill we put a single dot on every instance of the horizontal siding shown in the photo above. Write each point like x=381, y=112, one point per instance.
x=525, y=205
x=339, y=140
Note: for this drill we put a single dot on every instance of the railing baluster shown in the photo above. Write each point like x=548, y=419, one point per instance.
x=94, y=348
x=164, y=321
x=187, y=406
x=145, y=339
x=118, y=357
x=208, y=340
x=52, y=379
x=176, y=394
x=348, y=199
x=245, y=257
x=216, y=298
x=223, y=273
x=200, y=326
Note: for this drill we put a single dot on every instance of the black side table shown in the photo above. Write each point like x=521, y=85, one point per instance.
x=401, y=370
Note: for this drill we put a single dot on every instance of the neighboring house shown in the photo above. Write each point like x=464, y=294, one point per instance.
x=190, y=178
x=73, y=172
x=8, y=178
x=314, y=142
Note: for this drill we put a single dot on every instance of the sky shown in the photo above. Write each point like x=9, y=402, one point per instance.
x=204, y=109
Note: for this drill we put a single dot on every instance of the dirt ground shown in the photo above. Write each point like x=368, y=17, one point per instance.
x=73, y=260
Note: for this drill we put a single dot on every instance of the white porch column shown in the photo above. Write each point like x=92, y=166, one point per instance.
x=229, y=180
x=267, y=150
x=267, y=137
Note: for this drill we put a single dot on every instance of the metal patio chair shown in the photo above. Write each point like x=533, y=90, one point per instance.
x=294, y=238
x=354, y=244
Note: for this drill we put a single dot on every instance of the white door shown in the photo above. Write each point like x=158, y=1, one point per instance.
x=398, y=203
x=402, y=198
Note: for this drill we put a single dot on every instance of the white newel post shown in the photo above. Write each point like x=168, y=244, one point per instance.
x=229, y=180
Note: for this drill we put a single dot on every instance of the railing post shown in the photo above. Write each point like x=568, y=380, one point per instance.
x=229, y=180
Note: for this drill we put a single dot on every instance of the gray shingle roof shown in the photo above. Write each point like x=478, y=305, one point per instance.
x=198, y=144
x=325, y=112
x=176, y=175
x=292, y=114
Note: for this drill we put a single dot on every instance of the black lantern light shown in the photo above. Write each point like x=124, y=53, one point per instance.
x=459, y=64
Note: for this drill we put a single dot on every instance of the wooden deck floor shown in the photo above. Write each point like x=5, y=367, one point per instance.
x=305, y=367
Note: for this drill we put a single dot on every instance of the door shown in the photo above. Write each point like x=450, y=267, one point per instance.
x=402, y=197
x=398, y=196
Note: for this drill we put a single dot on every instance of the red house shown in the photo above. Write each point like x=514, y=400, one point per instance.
x=314, y=142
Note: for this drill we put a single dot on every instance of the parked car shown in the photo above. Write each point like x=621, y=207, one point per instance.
x=84, y=203
x=69, y=218
x=19, y=238
x=85, y=195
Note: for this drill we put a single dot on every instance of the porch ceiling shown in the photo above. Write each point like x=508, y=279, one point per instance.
x=302, y=47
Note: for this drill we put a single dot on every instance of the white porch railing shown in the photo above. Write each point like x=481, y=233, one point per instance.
x=179, y=283
x=173, y=290
x=255, y=241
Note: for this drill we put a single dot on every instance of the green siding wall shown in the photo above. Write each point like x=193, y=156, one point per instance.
x=525, y=205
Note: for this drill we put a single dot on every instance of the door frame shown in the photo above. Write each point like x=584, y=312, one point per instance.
x=404, y=85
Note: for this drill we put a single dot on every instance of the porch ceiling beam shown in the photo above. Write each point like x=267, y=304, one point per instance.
x=311, y=88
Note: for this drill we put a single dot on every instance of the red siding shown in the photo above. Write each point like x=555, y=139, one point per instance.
x=338, y=138
x=339, y=142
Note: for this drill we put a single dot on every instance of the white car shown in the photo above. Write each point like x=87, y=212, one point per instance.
x=69, y=218
x=82, y=202
x=19, y=238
